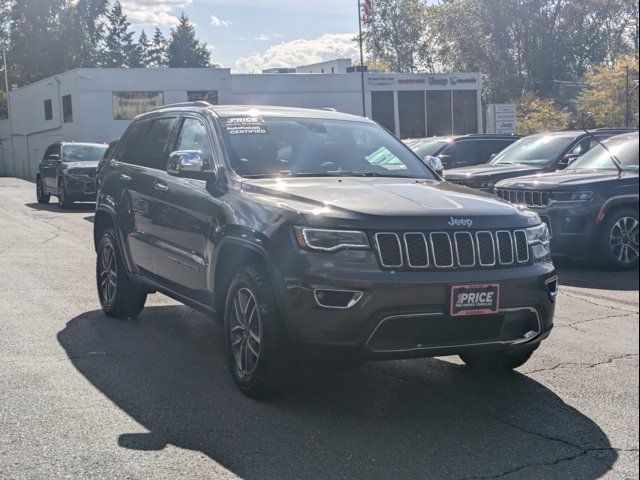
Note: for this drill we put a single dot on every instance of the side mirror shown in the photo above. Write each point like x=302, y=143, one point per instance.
x=187, y=164
x=567, y=160
x=493, y=155
x=435, y=164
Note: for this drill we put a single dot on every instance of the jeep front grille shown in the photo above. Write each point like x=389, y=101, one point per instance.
x=531, y=198
x=451, y=250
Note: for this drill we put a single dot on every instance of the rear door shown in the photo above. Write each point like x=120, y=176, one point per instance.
x=140, y=176
x=49, y=167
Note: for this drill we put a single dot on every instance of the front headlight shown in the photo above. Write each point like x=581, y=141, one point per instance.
x=572, y=196
x=330, y=240
x=539, y=240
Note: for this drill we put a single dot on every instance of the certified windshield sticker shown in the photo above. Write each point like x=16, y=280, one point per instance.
x=245, y=126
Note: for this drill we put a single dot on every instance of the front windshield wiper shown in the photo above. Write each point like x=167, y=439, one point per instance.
x=614, y=159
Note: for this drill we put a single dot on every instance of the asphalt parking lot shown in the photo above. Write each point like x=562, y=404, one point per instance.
x=85, y=396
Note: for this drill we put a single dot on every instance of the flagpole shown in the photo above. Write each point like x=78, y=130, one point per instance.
x=364, y=105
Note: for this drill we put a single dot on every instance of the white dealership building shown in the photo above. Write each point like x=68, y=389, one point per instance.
x=97, y=105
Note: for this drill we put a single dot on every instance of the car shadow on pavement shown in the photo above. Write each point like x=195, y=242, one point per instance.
x=573, y=273
x=53, y=207
x=407, y=419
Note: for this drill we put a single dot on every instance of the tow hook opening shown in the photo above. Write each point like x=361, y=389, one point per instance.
x=330, y=298
x=552, y=288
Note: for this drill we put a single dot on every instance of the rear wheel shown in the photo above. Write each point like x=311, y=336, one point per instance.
x=499, y=361
x=42, y=197
x=64, y=201
x=119, y=296
x=618, y=243
x=256, y=344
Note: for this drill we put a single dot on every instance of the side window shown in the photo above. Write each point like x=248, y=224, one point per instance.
x=461, y=153
x=584, y=146
x=154, y=152
x=486, y=148
x=130, y=145
x=51, y=149
x=193, y=136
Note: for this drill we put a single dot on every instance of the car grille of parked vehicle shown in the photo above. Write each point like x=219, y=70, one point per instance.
x=452, y=250
x=89, y=172
x=531, y=198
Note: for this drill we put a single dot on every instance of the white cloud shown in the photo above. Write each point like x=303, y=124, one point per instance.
x=300, y=52
x=219, y=22
x=262, y=38
x=341, y=7
x=153, y=12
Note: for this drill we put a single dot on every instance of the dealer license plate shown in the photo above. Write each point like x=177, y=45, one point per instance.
x=475, y=299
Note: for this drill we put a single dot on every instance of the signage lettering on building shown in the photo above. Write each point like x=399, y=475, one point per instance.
x=381, y=80
x=502, y=119
x=438, y=81
x=411, y=81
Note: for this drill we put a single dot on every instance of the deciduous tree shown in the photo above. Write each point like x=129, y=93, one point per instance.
x=536, y=114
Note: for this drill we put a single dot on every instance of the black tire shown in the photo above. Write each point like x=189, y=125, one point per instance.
x=498, y=361
x=264, y=374
x=615, y=223
x=42, y=197
x=64, y=202
x=119, y=296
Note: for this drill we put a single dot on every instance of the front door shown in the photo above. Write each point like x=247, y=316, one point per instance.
x=50, y=166
x=184, y=213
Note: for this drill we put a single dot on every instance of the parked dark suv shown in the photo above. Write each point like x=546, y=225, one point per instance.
x=285, y=224
x=545, y=152
x=68, y=171
x=461, y=150
x=592, y=206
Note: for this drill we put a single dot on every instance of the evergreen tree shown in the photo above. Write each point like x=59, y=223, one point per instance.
x=158, y=50
x=185, y=50
x=119, y=40
x=84, y=30
x=141, y=52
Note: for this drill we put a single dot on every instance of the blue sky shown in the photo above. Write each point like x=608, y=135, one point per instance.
x=248, y=35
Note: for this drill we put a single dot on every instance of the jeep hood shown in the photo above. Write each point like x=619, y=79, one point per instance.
x=565, y=179
x=392, y=202
x=490, y=172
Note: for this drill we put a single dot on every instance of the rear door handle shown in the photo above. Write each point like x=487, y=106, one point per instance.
x=125, y=178
x=161, y=187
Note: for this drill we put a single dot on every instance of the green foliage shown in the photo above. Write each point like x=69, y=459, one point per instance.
x=606, y=96
x=158, y=50
x=141, y=52
x=3, y=106
x=119, y=39
x=185, y=50
x=396, y=35
x=536, y=114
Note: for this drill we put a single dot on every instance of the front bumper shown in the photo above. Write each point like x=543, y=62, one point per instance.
x=572, y=226
x=406, y=314
x=81, y=187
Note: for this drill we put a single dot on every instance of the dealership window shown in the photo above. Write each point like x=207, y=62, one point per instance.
x=210, y=96
x=382, y=110
x=412, y=114
x=67, y=109
x=438, y=113
x=128, y=105
x=465, y=112
x=48, y=110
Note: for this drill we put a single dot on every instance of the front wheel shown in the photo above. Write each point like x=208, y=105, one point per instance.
x=499, y=361
x=618, y=243
x=42, y=197
x=256, y=344
x=119, y=296
x=64, y=202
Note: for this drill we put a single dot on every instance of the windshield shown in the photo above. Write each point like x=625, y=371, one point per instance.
x=427, y=148
x=270, y=147
x=534, y=150
x=624, y=149
x=83, y=153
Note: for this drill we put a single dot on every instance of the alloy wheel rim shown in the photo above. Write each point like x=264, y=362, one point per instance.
x=246, y=327
x=623, y=240
x=108, y=274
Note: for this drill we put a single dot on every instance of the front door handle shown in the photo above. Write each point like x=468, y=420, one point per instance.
x=125, y=178
x=161, y=187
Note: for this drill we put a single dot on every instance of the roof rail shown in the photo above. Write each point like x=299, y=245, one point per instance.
x=197, y=103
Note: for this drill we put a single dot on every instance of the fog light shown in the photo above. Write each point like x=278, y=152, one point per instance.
x=328, y=298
